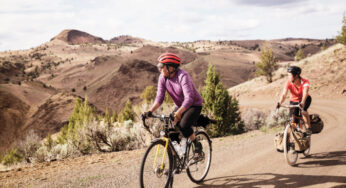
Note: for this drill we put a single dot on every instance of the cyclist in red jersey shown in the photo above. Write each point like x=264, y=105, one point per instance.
x=299, y=89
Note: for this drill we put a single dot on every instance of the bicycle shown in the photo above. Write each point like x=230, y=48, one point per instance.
x=294, y=140
x=161, y=160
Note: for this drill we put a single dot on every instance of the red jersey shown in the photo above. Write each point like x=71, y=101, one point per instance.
x=297, y=92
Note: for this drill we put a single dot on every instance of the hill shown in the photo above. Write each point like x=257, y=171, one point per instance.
x=325, y=70
x=39, y=85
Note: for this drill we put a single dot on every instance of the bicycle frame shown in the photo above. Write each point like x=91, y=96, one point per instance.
x=167, y=120
x=292, y=117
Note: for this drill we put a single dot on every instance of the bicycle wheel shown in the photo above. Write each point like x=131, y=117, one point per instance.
x=199, y=163
x=291, y=155
x=306, y=153
x=156, y=167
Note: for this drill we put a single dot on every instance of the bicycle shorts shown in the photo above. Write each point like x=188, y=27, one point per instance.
x=296, y=111
x=188, y=118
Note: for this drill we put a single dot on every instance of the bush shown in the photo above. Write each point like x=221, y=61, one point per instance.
x=341, y=38
x=299, y=55
x=280, y=118
x=254, y=119
x=127, y=113
x=41, y=155
x=267, y=65
x=29, y=145
x=12, y=157
x=149, y=93
x=118, y=137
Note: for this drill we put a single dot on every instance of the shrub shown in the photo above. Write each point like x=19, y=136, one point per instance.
x=73, y=90
x=121, y=136
x=49, y=142
x=29, y=145
x=149, y=93
x=41, y=155
x=114, y=117
x=254, y=119
x=127, y=113
x=299, y=55
x=84, y=88
x=12, y=157
x=341, y=38
x=279, y=118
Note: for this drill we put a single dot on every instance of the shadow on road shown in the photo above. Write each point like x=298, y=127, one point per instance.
x=270, y=179
x=334, y=158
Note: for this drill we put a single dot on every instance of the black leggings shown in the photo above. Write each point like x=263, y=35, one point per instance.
x=188, y=118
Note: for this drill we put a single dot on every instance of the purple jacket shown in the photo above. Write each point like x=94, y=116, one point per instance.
x=180, y=88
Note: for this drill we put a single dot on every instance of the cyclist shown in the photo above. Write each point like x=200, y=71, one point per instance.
x=180, y=87
x=299, y=89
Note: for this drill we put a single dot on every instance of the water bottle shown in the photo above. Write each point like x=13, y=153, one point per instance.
x=176, y=146
x=182, y=146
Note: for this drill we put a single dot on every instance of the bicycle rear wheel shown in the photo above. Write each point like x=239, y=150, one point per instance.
x=291, y=155
x=156, y=167
x=199, y=164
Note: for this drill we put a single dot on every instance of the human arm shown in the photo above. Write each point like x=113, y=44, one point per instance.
x=283, y=96
x=305, y=95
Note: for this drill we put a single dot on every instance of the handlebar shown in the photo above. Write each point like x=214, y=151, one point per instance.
x=292, y=106
x=162, y=118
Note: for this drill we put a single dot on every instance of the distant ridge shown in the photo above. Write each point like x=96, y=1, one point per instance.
x=77, y=37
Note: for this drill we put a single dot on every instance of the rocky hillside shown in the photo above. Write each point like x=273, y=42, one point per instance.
x=38, y=86
x=325, y=70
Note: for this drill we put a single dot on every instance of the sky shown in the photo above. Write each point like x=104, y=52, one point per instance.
x=26, y=24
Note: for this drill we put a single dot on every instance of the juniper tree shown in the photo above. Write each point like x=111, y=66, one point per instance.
x=149, y=94
x=299, y=55
x=341, y=38
x=267, y=65
x=220, y=106
x=127, y=113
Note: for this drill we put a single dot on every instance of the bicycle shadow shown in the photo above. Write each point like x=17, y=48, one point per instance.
x=324, y=159
x=273, y=180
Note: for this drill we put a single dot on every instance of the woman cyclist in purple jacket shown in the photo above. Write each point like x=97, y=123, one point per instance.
x=183, y=92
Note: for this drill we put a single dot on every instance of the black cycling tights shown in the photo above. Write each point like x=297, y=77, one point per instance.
x=189, y=117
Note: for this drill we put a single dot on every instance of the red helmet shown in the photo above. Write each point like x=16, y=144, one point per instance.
x=169, y=59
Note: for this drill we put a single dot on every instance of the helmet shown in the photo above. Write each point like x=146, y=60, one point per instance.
x=294, y=70
x=169, y=59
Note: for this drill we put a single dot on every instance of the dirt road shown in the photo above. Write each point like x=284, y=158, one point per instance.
x=247, y=160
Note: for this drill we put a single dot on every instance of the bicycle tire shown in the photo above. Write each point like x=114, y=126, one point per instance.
x=288, y=150
x=206, y=169
x=152, y=147
x=306, y=152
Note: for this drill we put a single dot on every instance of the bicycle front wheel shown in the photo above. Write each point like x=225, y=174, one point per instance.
x=199, y=163
x=157, y=164
x=291, y=155
x=306, y=153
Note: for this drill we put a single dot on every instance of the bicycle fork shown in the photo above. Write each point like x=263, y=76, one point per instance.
x=164, y=154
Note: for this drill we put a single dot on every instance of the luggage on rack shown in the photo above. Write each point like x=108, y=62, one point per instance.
x=316, y=123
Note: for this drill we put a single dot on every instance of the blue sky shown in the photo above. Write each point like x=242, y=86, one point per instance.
x=26, y=24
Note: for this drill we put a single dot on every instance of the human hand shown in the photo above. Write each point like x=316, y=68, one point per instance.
x=148, y=114
x=177, y=118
